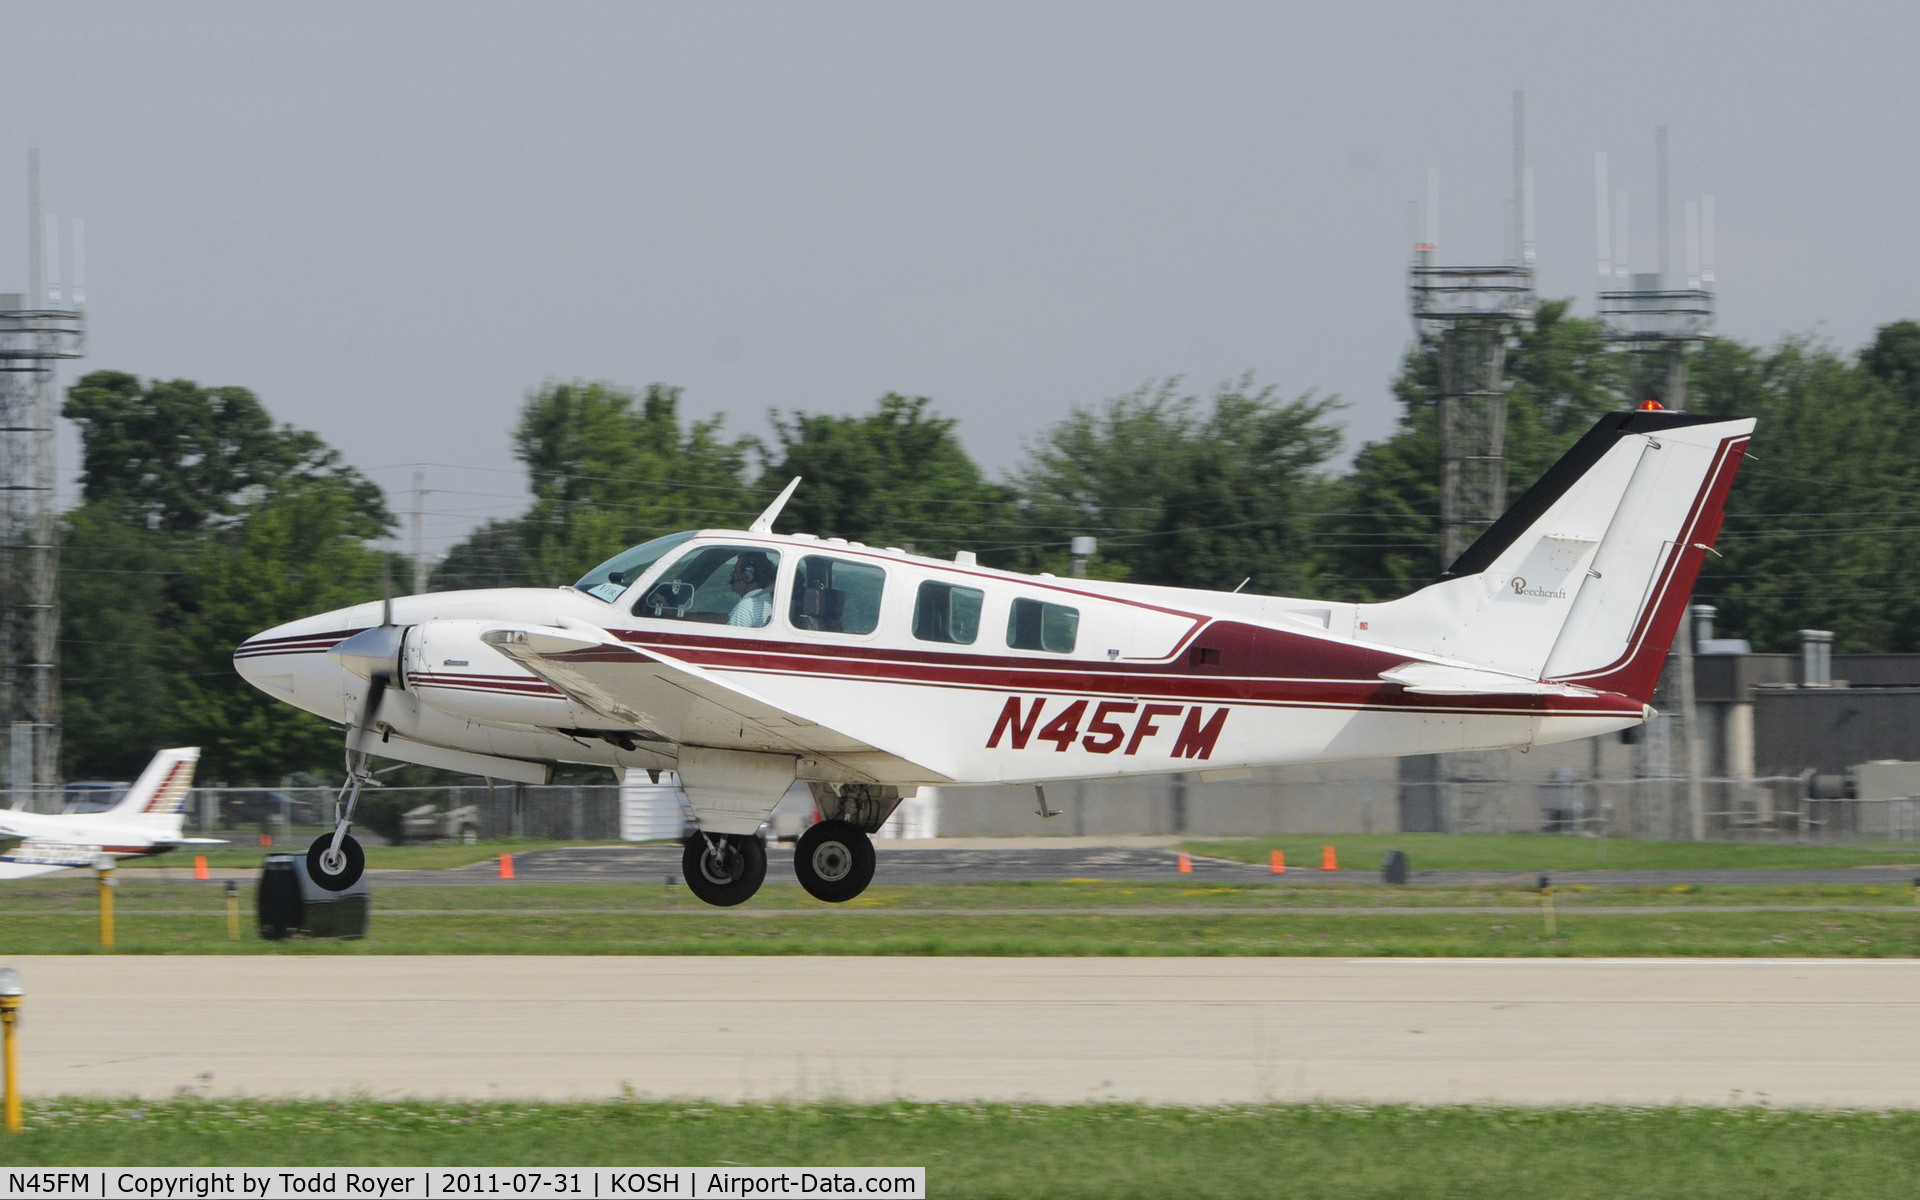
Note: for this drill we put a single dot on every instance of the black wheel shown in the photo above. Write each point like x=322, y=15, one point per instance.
x=351, y=864
x=728, y=877
x=834, y=860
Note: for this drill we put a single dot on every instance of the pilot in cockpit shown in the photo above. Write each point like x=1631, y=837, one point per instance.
x=752, y=581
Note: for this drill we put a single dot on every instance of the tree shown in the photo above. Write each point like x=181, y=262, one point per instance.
x=1183, y=491
x=1381, y=536
x=895, y=476
x=608, y=469
x=1819, y=530
x=193, y=536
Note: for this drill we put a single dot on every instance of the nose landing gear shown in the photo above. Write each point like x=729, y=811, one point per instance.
x=834, y=860
x=724, y=869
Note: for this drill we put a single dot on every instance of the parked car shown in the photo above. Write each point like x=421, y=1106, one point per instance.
x=241, y=809
x=92, y=795
x=430, y=823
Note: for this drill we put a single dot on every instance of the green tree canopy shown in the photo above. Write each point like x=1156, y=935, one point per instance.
x=1381, y=535
x=608, y=468
x=1185, y=491
x=896, y=476
x=192, y=537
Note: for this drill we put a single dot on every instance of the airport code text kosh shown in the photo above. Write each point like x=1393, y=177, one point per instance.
x=570, y=1183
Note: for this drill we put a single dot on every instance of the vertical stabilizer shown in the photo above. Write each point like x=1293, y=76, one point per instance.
x=161, y=790
x=1585, y=579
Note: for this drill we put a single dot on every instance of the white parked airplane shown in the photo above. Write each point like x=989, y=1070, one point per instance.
x=745, y=659
x=147, y=820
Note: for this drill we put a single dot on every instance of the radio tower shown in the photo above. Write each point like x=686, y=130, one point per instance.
x=1658, y=325
x=36, y=330
x=1467, y=314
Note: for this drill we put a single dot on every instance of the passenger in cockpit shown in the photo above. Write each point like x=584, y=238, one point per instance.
x=753, y=582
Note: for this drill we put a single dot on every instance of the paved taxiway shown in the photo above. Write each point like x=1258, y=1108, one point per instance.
x=1189, y=1030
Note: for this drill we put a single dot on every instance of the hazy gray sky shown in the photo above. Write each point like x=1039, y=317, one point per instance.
x=391, y=220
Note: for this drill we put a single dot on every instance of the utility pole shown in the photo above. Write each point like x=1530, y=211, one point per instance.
x=419, y=534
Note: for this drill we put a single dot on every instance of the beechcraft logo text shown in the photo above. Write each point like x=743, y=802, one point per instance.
x=1106, y=726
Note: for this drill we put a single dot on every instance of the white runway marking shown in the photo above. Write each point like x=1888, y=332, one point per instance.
x=1162, y=1030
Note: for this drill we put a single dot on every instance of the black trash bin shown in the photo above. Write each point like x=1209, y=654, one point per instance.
x=1394, y=869
x=290, y=902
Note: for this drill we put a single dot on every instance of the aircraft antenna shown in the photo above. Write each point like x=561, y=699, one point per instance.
x=764, y=522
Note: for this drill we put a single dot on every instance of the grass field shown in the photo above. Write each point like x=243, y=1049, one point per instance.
x=1538, y=852
x=1362, y=851
x=1016, y=1151
x=246, y=852
x=1081, y=918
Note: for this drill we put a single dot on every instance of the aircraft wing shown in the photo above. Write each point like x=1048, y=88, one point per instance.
x=187, y=841
x=664, y=700
x=1441, y=679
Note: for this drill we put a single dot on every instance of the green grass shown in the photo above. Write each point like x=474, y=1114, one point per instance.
x=245, y=852
x=1086, y=918
x=1021, y=1151
x=1538, y=852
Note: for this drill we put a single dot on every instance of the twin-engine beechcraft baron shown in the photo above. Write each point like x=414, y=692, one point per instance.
x=147, y=820
x=746, y=659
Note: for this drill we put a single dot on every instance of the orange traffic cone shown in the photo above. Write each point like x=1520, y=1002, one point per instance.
x=199, y=866
x=266, y=839
x=1279, y=862
x=1328, y=860
x=1186, y=864
x=506, y=866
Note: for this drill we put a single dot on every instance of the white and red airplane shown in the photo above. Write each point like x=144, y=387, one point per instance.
x=147, y=820
x=746, y=659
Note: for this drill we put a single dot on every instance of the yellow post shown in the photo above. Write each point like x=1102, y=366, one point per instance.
x=10, y=992
x=233, y=910
x=1546, y=902
x=103, y=867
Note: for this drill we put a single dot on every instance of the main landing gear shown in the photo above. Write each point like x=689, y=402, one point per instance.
x=834, y=860
x=724, y=869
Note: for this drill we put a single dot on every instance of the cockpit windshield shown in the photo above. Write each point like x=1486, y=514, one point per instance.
x=610, y=578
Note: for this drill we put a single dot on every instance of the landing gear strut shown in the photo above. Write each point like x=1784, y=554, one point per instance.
x=834, y=860
x=724, y=869
x=335, y=860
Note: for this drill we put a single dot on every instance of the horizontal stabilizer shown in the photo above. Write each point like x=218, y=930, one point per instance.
x=1439, y=679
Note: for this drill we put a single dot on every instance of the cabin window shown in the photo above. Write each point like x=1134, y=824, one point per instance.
x=610, y=578
x=718, y=585
x=833, y=595
x=1037, y=625
x=945, y=613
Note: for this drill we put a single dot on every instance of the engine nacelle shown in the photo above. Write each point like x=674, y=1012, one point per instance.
x=453, y=671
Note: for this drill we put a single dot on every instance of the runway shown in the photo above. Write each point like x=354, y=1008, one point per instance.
x=1175, y=1031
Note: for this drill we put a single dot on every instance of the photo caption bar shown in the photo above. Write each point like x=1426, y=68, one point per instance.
x=456, y=1183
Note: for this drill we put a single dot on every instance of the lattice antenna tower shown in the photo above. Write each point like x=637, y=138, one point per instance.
x=1658, y=326
x=1641, y=312
x=38, y=328
x=1467, y=315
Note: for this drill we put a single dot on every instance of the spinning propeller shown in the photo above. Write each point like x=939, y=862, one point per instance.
x=335, y=861
x=374, y=655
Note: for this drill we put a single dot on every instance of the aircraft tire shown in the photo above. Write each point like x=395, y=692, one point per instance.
x=834, y=861
x=349, y=875
x=735, y=878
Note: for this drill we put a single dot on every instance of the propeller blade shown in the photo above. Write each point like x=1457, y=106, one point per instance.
x=386, y=593
x=377, y=685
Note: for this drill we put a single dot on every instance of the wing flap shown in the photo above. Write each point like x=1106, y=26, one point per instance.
x=663, y=699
